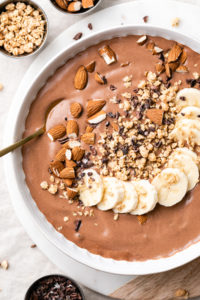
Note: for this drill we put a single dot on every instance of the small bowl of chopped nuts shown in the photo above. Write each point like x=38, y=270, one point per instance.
x=76, y=7
x=23, y=28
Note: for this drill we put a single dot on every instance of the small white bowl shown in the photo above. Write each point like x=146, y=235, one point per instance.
x=19, y=192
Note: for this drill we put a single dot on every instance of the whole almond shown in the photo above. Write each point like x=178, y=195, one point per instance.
x=60, y=155
x=61, y=4
x=56, y=132
x=155, y=115
x=94, y=106
x=174, y=53
x=67, y=173
x=70, y=163
x=76, y=109
x=88, y=138
x=77, y=153
x=72, y=129
x=99, y=78
x=56, y=167
x=91, y=66
x=97, y=118
x=72, y=193
x=81, y=78
x=108, y=54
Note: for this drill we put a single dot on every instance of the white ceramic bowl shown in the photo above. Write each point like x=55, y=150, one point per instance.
x=15, y=176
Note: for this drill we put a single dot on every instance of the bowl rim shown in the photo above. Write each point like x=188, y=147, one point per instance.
x=14, y=160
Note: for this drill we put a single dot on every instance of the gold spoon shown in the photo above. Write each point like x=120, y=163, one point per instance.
x=39, y=132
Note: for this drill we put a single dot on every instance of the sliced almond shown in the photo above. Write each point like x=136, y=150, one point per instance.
x=76, y=109
x=77, y=153
x=174, y=65
x=56, y=167
x=160, y=68
x=108, y=54
x=67, y=173
x=81, y=78
x=94, y=106
x=89, y=129
x=87, y=3
x=155, y=115
x=174, y=53
x=60, y=156
x=99, y=78
x=182, y=69
x=91, y=66
x=72, y=129
x=74, y=6
x=68, y=154
x=56, y=132
x=61, y=4
x=157, y=50
x=70, y=163
x=72, y=193
x=150, y=45
x=114, y=125
x=183, y=57
x=68, y=182
x=97, y=118
x=168, y=71
x=142, y=40
x=88, y=138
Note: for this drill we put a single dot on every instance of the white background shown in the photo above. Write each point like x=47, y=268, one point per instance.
x=27, y=264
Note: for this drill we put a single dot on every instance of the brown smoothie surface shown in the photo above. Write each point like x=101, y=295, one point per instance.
x=167, y=229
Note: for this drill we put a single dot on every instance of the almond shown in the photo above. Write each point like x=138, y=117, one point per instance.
x=99, y=78
x=72, y=129
x=68, y=182
x=142, y=219
x=81, y=78
x=183, y=57
x=56, y=132
x=60, y=156
x=168, y=71
x=160, y=68
x=89, y=129
x=62, y=4
x=94, y=106
x=155, y=115
x=70, y=163
x=114, y=125
x=74, y=6
x=77, y=153
x=108, y=54
x=91, y=66
x=67, y=173
x=142, y=40
x=174, y=65
x=72, y=193
x=88, y=138
x=68, y=154
x=182, y=69
x=56, y=167
x=87, y=3
x=174, y=53
x=76, y=109
x=150, y=46
x=97, y=118
x=157, y=50
x=71, y=144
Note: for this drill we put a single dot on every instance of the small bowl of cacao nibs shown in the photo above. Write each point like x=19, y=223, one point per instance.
x=76, y=7
x=54, y=287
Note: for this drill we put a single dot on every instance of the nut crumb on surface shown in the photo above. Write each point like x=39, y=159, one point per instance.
x=44, y=185
x=4, y=264
x=182, y=293
x=175, y=22
x=1, y=86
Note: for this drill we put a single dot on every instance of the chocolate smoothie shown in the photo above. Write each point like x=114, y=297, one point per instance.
x=166, y=230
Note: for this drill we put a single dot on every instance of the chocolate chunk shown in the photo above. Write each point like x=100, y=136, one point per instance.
x=65, y=118
x=78, y=224
x=145, y=19
x=112, y=87
x=125, y=149
x=107, y=123
x=90, y=26
x=105, y=160
x=191, y=82
x=78, y=36
x=158, y=144
x=182, y=98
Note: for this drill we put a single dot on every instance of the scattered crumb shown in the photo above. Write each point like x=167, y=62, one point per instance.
x=145, y=19
x=33, y=246
x=182, y=293
x=175, y=22
x=1, y=86
x=4, y=264
x=90, y=26
x=66, y=219
x=60, y=228
x=44, y=185
x=116, y=217
x=78, y=36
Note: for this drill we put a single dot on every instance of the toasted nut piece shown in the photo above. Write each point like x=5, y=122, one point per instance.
x=89, y=129
x=77, y=153
x=174, y=53
x=182, y=69
x=168, y=71
x=72, y=193
x=155, y=115
x=157, y=50
x=4, y=264
x=60, y=155
x=142, y=219
x=61, y=4
x=88, y=138
x=99, y=78
x=72, y=129
x=87, y=3
x=183, y=57
x=160, y=68
x=150, y=46
x=174, y=65
x=97, y=118
x=114, y=125
x=76, y=109
x=68, y=182
x=71, y=144
x=94, y=106
x=91, y=66
x=56, y=167
x=67, y=173
x=70, y=163
x=108, y=54
x=142, y=40
x=81, y=78
x=68, y=154
x=56, y=132
x=182, y=293
x=74, y=6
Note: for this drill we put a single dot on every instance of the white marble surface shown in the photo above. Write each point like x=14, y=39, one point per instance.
x=27, y=264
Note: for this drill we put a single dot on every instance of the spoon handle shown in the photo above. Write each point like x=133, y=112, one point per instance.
x=21, y=142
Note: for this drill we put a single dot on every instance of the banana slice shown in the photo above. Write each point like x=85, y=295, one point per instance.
x=171, y=185
x=91, y=188
x=113, y=193
x=130, y=200
x=186, y=130
x=190, y=112
x=147, y=197
x=185, y=151
x=186, y=165
x=188, y=97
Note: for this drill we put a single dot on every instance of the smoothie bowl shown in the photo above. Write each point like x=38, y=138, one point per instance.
x=113, y=183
